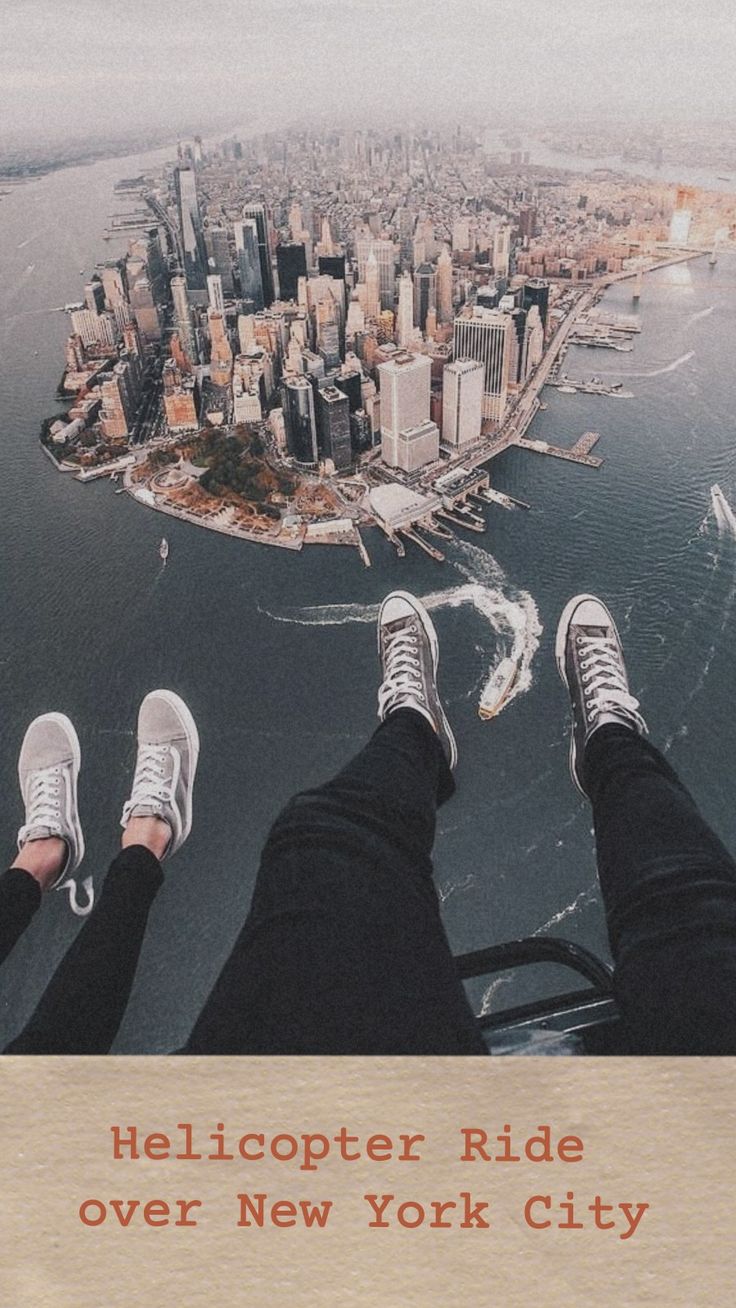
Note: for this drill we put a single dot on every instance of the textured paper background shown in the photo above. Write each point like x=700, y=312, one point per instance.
x=656, y=1131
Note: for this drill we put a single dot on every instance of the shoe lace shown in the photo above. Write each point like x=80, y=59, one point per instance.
x=402, y=669
x=153, y=781
x=43, y=805
x=605, y=688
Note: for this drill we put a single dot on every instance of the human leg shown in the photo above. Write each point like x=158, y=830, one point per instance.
x=344, y=950
x=83, y=1005
x=668, y=883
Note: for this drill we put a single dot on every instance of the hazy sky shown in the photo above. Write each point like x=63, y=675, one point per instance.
x=87, y=66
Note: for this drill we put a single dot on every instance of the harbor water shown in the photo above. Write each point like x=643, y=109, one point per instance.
x=275, y=651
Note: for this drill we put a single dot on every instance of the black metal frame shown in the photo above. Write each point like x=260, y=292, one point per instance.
x=542, y=949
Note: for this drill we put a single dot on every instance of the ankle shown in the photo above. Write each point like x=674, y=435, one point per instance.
x=152, y=832
x=43, y=859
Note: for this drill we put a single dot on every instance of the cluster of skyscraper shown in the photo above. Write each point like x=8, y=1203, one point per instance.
x=345, y=331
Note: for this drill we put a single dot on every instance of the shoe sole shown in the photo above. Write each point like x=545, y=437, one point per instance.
x=563, y=627
x=61, y=720
x=434, y=645
x=190, y=730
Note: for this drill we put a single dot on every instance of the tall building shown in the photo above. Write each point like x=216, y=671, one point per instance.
x=145, y=310
x=249, y=263
x=425, y=294
x=536, y=291
x=259, y=214
x=405, y=315
x=444, y=286
x=501, y=250
x=485, y=335
x=332, y=265
x=183, y=318
x=333, y=423
x=462, y=402
x=218, y=257
x=221, y=355
x=372, y=285
x=215, y=293
x=408, y=439
x=385, y=257
x=194, y=253
x=291, y=262
x=120, y=396
x=299, y=419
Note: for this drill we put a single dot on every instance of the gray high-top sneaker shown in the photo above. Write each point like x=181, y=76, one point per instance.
x=409, y=654
x=48, y=768
x=590, y=660
x=168, y=749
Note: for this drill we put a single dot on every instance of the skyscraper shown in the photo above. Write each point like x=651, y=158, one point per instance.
x=425, y=294
x=218, y=256
x=501, y=250
x=214, y=292
x=259, y=214
x=384, y=254
x=299, y=419
x=183, y=317
x=462, y=402
x=444, y=286
x=484, y=335
x=408, y=439
x=249, y=263
x=536, y=291
x=373, y=299
x=333, y=419
x=405, y=316
x=194, y=253
x=291, y=262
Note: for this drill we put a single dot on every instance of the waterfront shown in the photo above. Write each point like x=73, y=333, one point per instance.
x=275, y=652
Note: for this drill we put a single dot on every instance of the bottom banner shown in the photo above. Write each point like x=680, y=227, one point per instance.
x=208, y=1182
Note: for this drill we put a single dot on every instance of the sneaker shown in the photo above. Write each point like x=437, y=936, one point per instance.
x=409, y=654
x=590, y=660
x=168, y=749
x=48, y=768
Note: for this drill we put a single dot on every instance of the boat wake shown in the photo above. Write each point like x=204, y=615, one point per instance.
x=660, y=372
x=725, y=517
x=695, y=317
x=510, y=614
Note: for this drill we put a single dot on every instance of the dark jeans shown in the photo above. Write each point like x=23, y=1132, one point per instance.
x=343, y=950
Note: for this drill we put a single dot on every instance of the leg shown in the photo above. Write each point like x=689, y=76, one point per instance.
x=668, y=884
x=669, y=888
x=20, y=898
x=83, y=1005
x=344, y=951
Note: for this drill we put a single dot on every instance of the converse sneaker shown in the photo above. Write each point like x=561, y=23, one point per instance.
x=168, y=748
x=590, y=660
x=48, y=768
x=409, y=654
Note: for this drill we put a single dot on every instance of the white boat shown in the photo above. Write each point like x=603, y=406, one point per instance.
x=163, y=548
x=568, y=390
x=498, y=688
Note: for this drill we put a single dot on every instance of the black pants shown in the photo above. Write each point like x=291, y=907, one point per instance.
x=343, y=950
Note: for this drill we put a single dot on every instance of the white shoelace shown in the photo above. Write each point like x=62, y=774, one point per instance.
x=605, y=689
x=43, y=806
x=403, y=679
x=151, y=785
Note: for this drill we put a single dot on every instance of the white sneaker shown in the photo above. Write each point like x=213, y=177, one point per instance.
x=168, y=749
x=409, y=653
x=48, y=768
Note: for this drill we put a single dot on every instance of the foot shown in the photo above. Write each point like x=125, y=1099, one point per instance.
x=50, y=840
x=168, y=748
x=590, y=660
x=409, y=653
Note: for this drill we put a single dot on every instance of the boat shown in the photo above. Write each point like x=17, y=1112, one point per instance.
x=568, y=390
x=499, y=688
x=713, y=259
x=163, y=548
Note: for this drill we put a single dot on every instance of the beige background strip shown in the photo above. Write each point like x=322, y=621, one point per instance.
x=655, y=1131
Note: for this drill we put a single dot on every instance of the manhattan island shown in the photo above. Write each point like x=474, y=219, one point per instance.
x=310, y=333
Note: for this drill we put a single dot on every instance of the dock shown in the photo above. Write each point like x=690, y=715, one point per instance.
x=365, y=556
x=471, y=523
x=578, y=453
x=492, y=496
x=431, y=550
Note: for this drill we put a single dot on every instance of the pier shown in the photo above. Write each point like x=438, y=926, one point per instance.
x=578, y=453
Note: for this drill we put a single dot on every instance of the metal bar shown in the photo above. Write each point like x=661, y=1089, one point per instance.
x=537, y=949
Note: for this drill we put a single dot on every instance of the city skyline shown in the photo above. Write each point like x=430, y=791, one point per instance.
x=580, y=58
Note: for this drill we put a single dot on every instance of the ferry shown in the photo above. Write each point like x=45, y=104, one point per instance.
x=568, y=390
x=163, y=548
x=498, y=689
